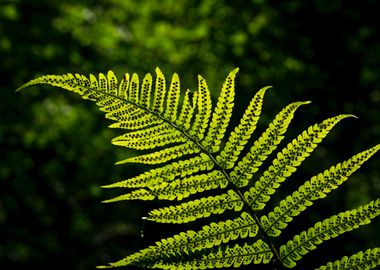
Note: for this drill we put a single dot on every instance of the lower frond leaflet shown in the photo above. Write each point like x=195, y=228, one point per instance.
x=368, y=259
x=231, y=256
x=329, y=228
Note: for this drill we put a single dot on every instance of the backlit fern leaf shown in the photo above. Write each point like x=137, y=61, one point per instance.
x=213, y=174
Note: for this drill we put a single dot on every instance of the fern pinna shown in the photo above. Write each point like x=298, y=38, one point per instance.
x=189, y=144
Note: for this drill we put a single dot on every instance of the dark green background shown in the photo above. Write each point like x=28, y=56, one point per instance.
x=55, y=149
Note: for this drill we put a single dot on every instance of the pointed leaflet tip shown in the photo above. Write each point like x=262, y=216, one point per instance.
x=122, y=161
x=349, y=115
x=158, y=70
x=20, y=88
x=265, y=88
x=109, y=186
x=25, y=85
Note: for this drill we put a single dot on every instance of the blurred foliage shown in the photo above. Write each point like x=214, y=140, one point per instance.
x=55, y=150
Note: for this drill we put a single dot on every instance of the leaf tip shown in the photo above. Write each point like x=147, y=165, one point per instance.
x=19, y=89
x=235, y=70
x=108, y=186
x=108, y=201
x=103, y=266
x=265, y=88
x=158, y=71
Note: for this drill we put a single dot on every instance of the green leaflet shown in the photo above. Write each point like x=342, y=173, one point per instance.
x=204, y=110
x=162, y=156
x=173, y=99
x=123, y=87
x=167, y=173
x=316, y=188
x=187, y=111
x=139, y=194
x=159, y=93
x=134, y=89
x=150, y=138
x=368, y=259
x=182, y=188
x=287, y=161
x=222, y=114
x=241, y=134
x=185, y=139
x=201, y=208
x=146, y=89
x=232, y=256
x=329, y=228
x=187, y=242
x=137, y=122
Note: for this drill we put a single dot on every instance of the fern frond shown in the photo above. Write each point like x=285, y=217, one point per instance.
x=222, y=114
x=329, y=228
x=316, y=188
x=242, y=133
x=368, y=259
x=264, y=146
x=186, y=140
x=287, y=162
x=200, y=208
x=232, y=256
x=190, y=241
